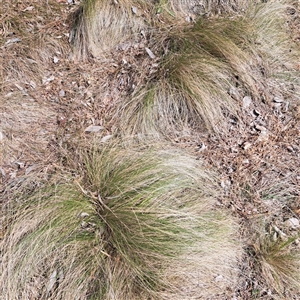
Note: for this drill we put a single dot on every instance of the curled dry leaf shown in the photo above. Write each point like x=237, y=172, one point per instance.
x=106, y=138
x=52, y=281
x=293, y=223
x=47, y=80
x=12, y=41
x=246, y=102
x=134, y=9
x=278, y=100
x=150, y=53
x=93, y=128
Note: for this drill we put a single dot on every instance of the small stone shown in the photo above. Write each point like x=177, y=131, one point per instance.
x=29, y=8
x=12, y=41
x=188, y=19
x=55, y=59
x=1, y=136
x=202, y=148
x=277, y=105
x=19, y=87
x=62, y=93
x=234, y=93
x=264, y=136
x=20, y=165
x=287, y=105
x=234, y=150
x=84, y=224
x=225, y=184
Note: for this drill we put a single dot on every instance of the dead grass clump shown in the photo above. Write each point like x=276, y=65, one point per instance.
x=270, y=36
x=99, y=26
x=197, y=79
x=138, y=226
x=277, y=260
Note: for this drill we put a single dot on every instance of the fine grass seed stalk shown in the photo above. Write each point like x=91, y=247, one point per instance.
x=139, y=226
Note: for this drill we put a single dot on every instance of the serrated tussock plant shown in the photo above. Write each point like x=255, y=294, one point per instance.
x=201, y=67
x=138, y=226
x=100, y=25
x=278, y=261
x=270, y=35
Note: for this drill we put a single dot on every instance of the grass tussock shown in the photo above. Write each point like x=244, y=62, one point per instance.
x=99, y=26
x=270, y=37
x=201, y=71
x=278, y=260
x=138, y=226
